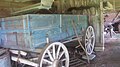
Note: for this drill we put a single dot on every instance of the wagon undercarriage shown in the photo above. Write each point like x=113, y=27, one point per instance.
x=57, y=55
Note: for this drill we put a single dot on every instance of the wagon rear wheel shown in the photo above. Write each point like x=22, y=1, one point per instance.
x=89, y=40
x=54, y=55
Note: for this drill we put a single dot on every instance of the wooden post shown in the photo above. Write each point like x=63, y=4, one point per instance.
x=100, y=46
x=102, y=25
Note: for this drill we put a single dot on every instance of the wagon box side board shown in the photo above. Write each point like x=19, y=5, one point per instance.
x=14, y=31
x=29, y=32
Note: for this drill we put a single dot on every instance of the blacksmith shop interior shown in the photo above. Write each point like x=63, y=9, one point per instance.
x=59, y=33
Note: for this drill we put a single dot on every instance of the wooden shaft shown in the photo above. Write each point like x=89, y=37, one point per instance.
x=21, y=60
x=80, y=44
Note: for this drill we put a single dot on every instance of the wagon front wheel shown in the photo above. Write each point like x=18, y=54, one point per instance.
x=54, y=55
x=89, y=40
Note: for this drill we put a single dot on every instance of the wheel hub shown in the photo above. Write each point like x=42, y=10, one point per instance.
x=89, y=40
x=57, y=63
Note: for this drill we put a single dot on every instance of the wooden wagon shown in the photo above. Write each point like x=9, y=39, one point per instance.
x=40, y=40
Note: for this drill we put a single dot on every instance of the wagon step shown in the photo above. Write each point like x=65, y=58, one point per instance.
x=76, y=62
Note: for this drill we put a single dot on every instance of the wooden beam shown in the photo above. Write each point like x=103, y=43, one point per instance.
x=7, y=4
x=116, y=3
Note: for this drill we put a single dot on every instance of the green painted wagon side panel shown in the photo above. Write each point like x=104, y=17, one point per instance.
x=33, y=29
x=80, y=21
x=12, y=26
x=43, y=26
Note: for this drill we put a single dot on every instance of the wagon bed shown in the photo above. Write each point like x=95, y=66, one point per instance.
x=29, y=32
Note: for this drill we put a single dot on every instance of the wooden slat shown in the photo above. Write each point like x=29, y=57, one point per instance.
x=7, y=4
x=117, y=3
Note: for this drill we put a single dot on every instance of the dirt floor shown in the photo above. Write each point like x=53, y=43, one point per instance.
x=108, y=58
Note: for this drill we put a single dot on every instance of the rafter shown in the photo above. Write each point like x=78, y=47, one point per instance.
x=8, y=4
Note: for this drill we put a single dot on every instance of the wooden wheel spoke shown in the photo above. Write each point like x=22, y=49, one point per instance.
x=91, y=31
x=53, y=51
x=87, y=34
x=89, y=48
x=63, y=60
x=86, y=40
x=45, y=60
x=87, y=44
x=92, y=36
x=62, y=53
x=58, y=51
x=50, y=56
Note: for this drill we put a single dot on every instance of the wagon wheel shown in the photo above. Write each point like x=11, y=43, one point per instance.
x=89, y=40
x=54, y=55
